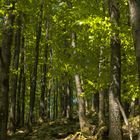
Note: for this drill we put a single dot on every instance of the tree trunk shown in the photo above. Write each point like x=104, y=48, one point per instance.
x=18, y=101
x=49, y=85
x=115, y=132
x=61, y=100
x=92, y=103
x=101, y=108
x=54, y=99
x=56, y=102
x=81, y=103
x=101, y=92
x=134, y=7
x=49, y=104
x=20, y=83
x=21, y=89
x=96, y=102
x=14, y=77
x=69, y=100
x=43, y=82
x=34, y=73
x=5, y=55
x=132, y=109
x=86, y=106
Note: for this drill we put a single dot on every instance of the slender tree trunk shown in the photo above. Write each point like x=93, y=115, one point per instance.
x=81, y=103
x=18, y=101
x=56, y=105
x=101, y=92
x=20, y=83
x=23, y=98
x=92, y=103
x=49, y=85
x=101, y=108
x=115, y=132
x=49, y=104
x=96, y=102
x=21, y=90
x=65, y=100
x=5, y=55
x=86, y=106
x=101, y=113
x=56, y=102
x=63, y=97
x=132, y=109
x=14, y=77
x=34, y=73
x=61, y=100
x=134, y=6
x=69, y=100
x=44, y=80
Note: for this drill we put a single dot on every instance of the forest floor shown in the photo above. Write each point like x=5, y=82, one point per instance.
x=69, y=130
x=53, y=130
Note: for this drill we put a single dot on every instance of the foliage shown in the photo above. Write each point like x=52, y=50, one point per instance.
x=90, y=21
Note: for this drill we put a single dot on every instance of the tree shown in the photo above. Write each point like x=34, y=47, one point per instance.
x=34, y=73
x=115, y=85
x=21, y=87
x=61, y=58
x=14, y=76
x=81, y=102
x=134, y=7
x=43, y=82
x=5, y=55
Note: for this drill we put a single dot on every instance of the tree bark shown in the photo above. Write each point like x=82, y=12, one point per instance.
x=21, y=89
x=56, y=102
x=101, y=108
x=5, y=55
x=62, y=101
x=34, y=73
x=81, y=103
x=134, y=6
x=49, y=104
x=44, y=79
x=14, y=77
x=18, y=109
x=54, y=99
x=92, y=103
x=115, y=132
x=101, y=92
x=69, y=100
